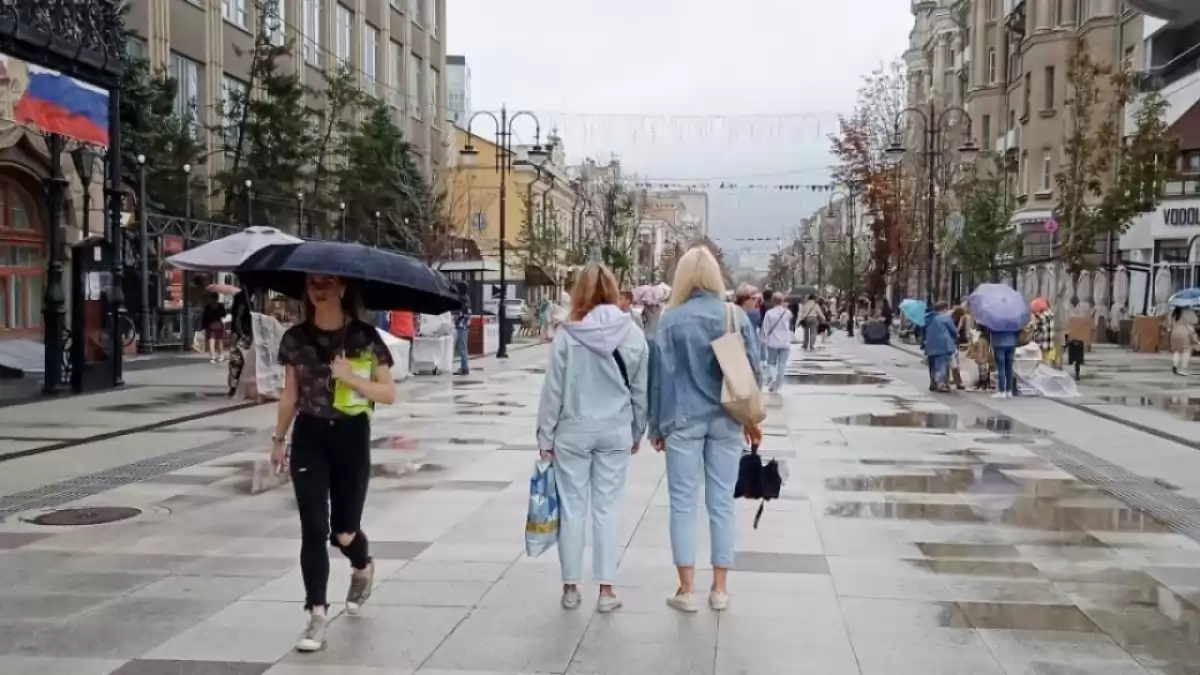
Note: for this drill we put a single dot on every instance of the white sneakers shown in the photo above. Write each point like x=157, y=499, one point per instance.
x=1001, y=395
x=687, y=603
x=607, y=603
x=571, y=599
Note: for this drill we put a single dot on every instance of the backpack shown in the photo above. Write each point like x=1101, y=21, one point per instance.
x=757, y=480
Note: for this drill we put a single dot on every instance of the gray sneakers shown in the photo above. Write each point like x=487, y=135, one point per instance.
x=360, y=589
x=313, y=637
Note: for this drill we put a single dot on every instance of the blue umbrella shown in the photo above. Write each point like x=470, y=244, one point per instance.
x=384, y=280
x=913, y=310
x=1186, y=298
x=998, y=307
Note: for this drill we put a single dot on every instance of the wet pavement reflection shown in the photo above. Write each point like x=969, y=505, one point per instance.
x=952, y=521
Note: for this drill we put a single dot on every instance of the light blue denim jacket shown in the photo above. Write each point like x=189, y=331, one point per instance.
x=583, y=391
x=685, y=379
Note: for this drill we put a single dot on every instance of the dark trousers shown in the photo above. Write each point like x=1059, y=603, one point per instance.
x=330, y=468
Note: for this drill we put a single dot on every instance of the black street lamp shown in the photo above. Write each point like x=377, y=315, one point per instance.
x=378, y=237
x=145, y=343
x=342, y=206
x=931, y=131
x=300, y=232
x=536, y=156
x=185, y=328
x=85, y=163
x=249, y=202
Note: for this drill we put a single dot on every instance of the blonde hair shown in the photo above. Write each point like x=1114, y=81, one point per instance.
x=697, y=270
x=595, y=286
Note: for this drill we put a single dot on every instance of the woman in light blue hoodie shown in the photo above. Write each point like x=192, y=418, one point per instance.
x=687, y=420
x=591, y=417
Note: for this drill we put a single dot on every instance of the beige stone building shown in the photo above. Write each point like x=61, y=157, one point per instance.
x=395, y=47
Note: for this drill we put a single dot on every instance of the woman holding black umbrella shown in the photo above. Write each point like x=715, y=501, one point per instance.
x=338, y=368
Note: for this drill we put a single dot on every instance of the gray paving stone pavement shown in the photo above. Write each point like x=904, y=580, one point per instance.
x=918, y=534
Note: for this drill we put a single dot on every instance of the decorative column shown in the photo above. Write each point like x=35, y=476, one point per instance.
x=54, y=309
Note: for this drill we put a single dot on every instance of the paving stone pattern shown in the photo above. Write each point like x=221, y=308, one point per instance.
x=911, y=539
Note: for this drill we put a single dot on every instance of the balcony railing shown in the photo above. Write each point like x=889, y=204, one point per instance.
x=1157, y=78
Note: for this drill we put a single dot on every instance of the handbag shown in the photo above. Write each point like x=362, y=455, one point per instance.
x=740, y=394
x=542, y=518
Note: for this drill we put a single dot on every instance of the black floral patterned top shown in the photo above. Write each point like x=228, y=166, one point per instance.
x=310, y=350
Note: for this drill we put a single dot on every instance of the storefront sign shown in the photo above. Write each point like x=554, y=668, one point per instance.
x=1189, y=216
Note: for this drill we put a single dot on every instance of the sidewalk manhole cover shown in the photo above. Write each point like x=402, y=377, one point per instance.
x=95, y=516
x=836, y=379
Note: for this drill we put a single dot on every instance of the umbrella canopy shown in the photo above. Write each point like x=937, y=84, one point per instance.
x=913, y=310
x=385, y=280
x=999, y=307
x=1189, y=297
x=227, y=253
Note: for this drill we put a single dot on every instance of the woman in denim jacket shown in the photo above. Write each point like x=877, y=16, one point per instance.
x=688, y=421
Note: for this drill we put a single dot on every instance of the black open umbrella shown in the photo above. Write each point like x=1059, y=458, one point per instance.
x=384, y=280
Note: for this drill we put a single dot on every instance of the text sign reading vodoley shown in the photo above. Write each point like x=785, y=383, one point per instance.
x=1186, y=216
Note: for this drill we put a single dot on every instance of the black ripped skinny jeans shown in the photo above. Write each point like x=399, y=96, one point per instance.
x=330, y=468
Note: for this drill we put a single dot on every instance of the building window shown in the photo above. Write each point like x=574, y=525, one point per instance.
x=415, y=68
x=135, y=48
x=1047, y=174
x=234, y=11
x=990, y=10
x=433, y=89
x=1028, y=93
x=1059, y=15
x=397, y=61
x=186, y=74
x=276, y=21
x=1048, y=104
x=370, y=57
x=22, y=268
x=991, y=65
x=312, y=32
x=342, y=33
x=987, y=133
x=1023, y=173
x=234, y=93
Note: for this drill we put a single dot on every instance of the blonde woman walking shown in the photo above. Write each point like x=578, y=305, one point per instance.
x=688, y=422
x=591, y=418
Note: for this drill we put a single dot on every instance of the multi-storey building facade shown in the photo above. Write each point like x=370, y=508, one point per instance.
x=396, y=49
x=458, y=89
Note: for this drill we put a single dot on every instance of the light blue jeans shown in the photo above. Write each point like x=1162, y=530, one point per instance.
x=590, y=467
x=712, y=450
x=460, y=342
x=777, y=357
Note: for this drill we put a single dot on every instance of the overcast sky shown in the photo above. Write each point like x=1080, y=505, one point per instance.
x=695, y=90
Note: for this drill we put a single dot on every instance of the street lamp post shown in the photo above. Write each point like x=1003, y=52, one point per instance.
x=85, y=164
x=249, y=202
x=537, y=156
x=185, y=328
x=300, y=213
x=931, y=131
x=377, y=231
x=145, y=343
x=342, y=206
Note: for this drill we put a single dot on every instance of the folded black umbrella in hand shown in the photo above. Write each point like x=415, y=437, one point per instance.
x=757, y=480
x=384, y=280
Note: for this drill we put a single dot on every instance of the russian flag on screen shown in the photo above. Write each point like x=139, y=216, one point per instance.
x=56, y=103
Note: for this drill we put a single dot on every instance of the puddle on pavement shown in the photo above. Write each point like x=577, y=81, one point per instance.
x=1183, y=407
x=395, y=443
x=916, y=419
x=942, y=481
x=157, y=403
x=836, y=379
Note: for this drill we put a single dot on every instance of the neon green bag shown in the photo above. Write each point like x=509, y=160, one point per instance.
x=345, y=399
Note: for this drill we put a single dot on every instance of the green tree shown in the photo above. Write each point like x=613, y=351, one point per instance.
x=377, y=174
x=539, y=241
x=1107, y=180
x=150, y=126
x=987, y=235
x=270, y=134
x=344, y=100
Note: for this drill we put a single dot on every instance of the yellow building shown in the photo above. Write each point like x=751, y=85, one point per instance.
x=473, y=201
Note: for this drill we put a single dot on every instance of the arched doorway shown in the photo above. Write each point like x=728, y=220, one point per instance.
x=22, y=261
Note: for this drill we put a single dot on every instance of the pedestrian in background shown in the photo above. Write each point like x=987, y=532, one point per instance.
x=689, y=422
x=626, y=305
x=213, y=320
x=591, y=417
x=1043, y=330
x=462, y=330
x=1183, y=339
x=336, y=369
x=749, y=300
x=940, y=345
x=241, y=324
x=777, y=336
x=810, y=317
